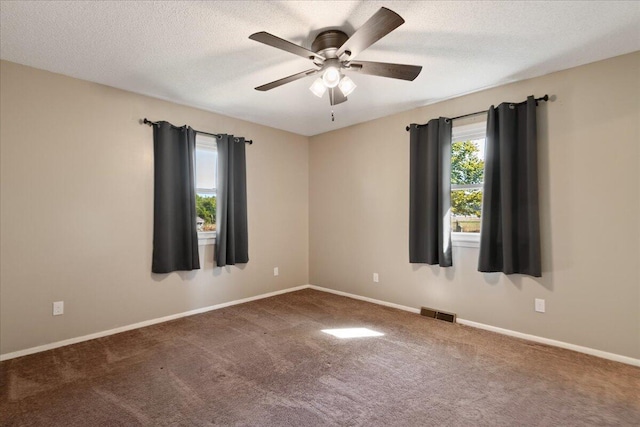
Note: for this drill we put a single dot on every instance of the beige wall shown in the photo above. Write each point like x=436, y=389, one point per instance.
x=77, y=210
x=77, y=203
x=590, y=211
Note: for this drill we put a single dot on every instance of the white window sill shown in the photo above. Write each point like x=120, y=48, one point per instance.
x=206, y=238
x=465, y=240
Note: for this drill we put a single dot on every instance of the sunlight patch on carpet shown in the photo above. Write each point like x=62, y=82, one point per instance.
x=352, y=332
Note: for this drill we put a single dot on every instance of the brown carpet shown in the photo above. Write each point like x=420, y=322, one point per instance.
x=268, y=363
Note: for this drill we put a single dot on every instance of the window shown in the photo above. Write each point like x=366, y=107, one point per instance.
x=467, y=177
x=206, y=185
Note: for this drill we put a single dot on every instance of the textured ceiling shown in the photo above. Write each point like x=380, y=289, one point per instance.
x=199, y=54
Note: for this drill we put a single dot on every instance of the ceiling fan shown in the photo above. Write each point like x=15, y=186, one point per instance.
x=333, y=52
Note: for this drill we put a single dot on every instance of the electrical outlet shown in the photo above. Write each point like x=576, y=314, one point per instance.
x=376, y=279
x=539, y=305
x=276, y=272
x=58, y=308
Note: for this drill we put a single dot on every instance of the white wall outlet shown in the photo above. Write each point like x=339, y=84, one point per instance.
x=58, y=308
x=376, y=279
x=276, y=272
x=539, y=305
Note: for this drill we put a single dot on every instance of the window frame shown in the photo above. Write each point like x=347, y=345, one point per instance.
x=205, y=142
x=471, y=131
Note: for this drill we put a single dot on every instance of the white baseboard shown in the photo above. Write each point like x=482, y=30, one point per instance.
x=554, y=343
x=534, y=338
x=580, y=349
x=367, y=299
x=125, y=328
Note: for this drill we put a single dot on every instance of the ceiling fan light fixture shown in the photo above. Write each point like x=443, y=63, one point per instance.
x=346, y=86
x=333, y=51
x=331, y=77
x=318, y=88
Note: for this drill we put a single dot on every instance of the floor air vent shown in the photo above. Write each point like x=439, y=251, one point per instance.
x=436, y=314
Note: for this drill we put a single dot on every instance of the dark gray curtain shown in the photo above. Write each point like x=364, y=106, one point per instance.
x=232, y=243
x=510, y=233
x=430, y=193
x=175, y=236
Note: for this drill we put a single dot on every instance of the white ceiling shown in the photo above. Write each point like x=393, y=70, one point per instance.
x=199, y=54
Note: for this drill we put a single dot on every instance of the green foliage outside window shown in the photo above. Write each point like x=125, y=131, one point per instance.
x=466, y=168
x=206, y=209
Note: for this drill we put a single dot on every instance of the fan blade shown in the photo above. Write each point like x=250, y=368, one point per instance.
x=379, y=25
x=336, y=97
x=278, y=43
x=286, y=80
x=383, y=69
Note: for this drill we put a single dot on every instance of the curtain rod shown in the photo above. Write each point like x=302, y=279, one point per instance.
x=150, y=123
x=542, y=98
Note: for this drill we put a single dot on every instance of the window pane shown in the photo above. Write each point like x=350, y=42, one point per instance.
x=467, y=170
x=206, y=211
x=206, y=168
x=467, y=162
x=465, y=211
x=206, y=182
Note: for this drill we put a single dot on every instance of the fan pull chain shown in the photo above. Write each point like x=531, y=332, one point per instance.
x=333, y=118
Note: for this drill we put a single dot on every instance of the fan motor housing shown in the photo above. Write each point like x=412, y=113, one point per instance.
x=327, y=43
